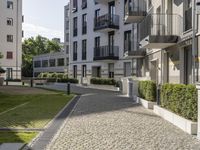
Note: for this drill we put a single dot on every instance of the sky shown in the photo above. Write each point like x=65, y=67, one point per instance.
x=44, y=17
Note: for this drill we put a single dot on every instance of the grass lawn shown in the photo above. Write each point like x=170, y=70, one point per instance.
x=17, y=137
x=39, y=110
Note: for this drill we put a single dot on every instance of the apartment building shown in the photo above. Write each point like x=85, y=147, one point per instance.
x=98, y=39
x=165, y=31
x=11, y=37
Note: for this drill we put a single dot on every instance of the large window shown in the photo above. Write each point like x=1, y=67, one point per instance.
x=75, y=6
x=9, y=55
x=84, y=24
x=45, y=63
x=9, y=21
x=75, y=51
x=75, y=71
x=75, y=29
x=9, y=38
x=127, y=41
x=61, y=62
x=84, y=49
x=84, y=4
x=9, y=4
x=84, y=71
x=52, y=62
x=37, y=64
x=188, y=15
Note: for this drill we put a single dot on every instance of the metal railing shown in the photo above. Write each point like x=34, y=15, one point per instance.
x=135, y=8
x=161, y=25
x=106, y=52
x=105, y=21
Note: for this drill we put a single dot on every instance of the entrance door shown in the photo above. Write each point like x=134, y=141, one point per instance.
x=111, y=70
x=96, y=72
x=127, y=69
x=75, y=71
x=84, y=71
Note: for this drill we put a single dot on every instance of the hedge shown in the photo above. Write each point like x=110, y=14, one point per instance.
x=147, y=90
x=53, y=75
x=180, y=99
x=101, y=81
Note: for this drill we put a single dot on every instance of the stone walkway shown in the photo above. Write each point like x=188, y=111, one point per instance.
x=105, y=121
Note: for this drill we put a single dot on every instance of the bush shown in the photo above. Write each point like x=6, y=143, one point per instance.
x=147, y=90
x=2, y=70
x=180, y=99
x=103, y=81
x=53, y=75
x=70, y=80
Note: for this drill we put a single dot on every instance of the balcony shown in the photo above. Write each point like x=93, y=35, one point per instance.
x=135, y=11
x=106, y=23
x=106, y=53
x=102, y=1
x=140, y=53
x=159, y=31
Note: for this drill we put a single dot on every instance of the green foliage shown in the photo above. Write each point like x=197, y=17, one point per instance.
x=2, y=70
x=180, y=99
x=101, y=81
x=1, y=55
x=147, y=90
x=35, y=46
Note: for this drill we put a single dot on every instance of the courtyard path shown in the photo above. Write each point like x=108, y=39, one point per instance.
x=106, y=121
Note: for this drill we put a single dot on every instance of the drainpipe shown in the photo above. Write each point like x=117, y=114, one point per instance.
x=194, y=44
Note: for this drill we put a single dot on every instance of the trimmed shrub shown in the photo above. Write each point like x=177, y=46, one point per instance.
x=71, y=80
x=103, y=81
x=147, y=90
x=180, y=99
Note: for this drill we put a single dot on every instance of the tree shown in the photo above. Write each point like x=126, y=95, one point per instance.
x=35, y=46
x=1, y=69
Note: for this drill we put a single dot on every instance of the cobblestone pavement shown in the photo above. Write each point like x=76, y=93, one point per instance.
x=106, y=121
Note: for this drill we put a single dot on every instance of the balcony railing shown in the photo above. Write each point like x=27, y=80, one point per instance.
x=161, y=25
x=106, y=21
x=106, y=53
x=135, y=10
x=188, y=22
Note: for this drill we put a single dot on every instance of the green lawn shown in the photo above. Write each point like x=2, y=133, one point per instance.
x=17, y=137
x=40, y=109
x=36, y=114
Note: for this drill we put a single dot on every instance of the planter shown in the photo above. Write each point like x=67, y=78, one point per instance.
x=1, y=81
x=182, y=123
x=145, y=103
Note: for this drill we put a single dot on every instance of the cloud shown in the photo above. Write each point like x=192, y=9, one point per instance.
x=32, y=30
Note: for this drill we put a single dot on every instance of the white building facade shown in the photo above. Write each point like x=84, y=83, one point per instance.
x=11, y=37
x=99, y=39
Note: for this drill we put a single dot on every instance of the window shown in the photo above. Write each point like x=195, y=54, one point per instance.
x=61, y=62
x=37, y=64
x=67, y=25
x=84, y=4
x=75, y=71
x=149, y=4
x=67, y=37
x=127, y=41
x=74, y=51
x=84, y=71
x=9, y=38
x=45, y=63
x=9, y=21
x=75, y=26
x=67, y=49
x=84, y=49
x=188, y=15
x=75, y=6
x=9, y=55
x=97, y=14
x=84, y=24
x=67, y=61
x=97, y=42
x=52, y=63
x=9, y=4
